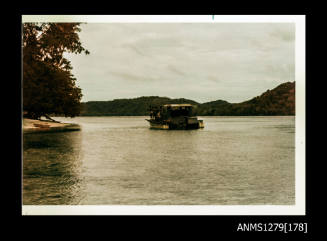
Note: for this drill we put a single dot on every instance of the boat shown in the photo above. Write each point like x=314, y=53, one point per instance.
x=174, y=117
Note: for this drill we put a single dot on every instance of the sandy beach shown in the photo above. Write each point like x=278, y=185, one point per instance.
x=32, y=126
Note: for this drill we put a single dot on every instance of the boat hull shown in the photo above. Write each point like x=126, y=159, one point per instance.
x=159, y=126
x=172, y=126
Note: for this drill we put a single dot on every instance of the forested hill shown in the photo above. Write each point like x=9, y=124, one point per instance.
x=128, y=107
x=279, y=101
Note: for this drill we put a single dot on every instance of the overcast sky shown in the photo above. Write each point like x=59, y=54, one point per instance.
x=198, y=61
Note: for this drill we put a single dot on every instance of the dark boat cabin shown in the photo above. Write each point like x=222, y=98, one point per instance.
x=175, y=110
x=174, y=116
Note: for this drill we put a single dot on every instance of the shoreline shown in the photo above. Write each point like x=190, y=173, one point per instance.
x=38, y=126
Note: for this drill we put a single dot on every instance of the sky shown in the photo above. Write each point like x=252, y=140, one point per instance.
x=199, y=61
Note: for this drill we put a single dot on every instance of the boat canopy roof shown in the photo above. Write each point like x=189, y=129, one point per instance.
x=178, y=105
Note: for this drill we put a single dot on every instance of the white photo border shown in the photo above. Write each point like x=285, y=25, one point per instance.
x=300, y=187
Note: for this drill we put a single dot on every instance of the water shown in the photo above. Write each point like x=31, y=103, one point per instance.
x=119, y=160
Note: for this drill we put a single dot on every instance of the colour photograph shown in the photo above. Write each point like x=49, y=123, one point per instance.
x=182, y=112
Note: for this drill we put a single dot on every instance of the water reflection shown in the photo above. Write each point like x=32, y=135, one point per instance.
x=171, y=167
x=174, y=169
x=51, y=168
x=118, y=160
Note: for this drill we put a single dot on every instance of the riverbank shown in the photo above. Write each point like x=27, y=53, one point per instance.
x=36, y=126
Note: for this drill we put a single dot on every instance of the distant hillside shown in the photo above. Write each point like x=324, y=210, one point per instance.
x=279, y=101
x=213, y=107
x=128, y=107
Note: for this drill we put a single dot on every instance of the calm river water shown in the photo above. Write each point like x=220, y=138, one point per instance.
x=119, y=160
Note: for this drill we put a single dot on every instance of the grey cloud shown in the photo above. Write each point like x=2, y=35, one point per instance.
x=133, y=77
x=137, y=50
x=175, y=70
x=200, y=61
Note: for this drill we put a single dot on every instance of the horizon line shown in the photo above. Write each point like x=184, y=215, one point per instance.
x=145, y=96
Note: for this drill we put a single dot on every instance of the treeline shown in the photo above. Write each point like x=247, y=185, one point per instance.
x=128, y=107
x=279, y=101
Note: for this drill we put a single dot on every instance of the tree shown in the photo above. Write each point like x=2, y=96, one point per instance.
x=48, y=84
